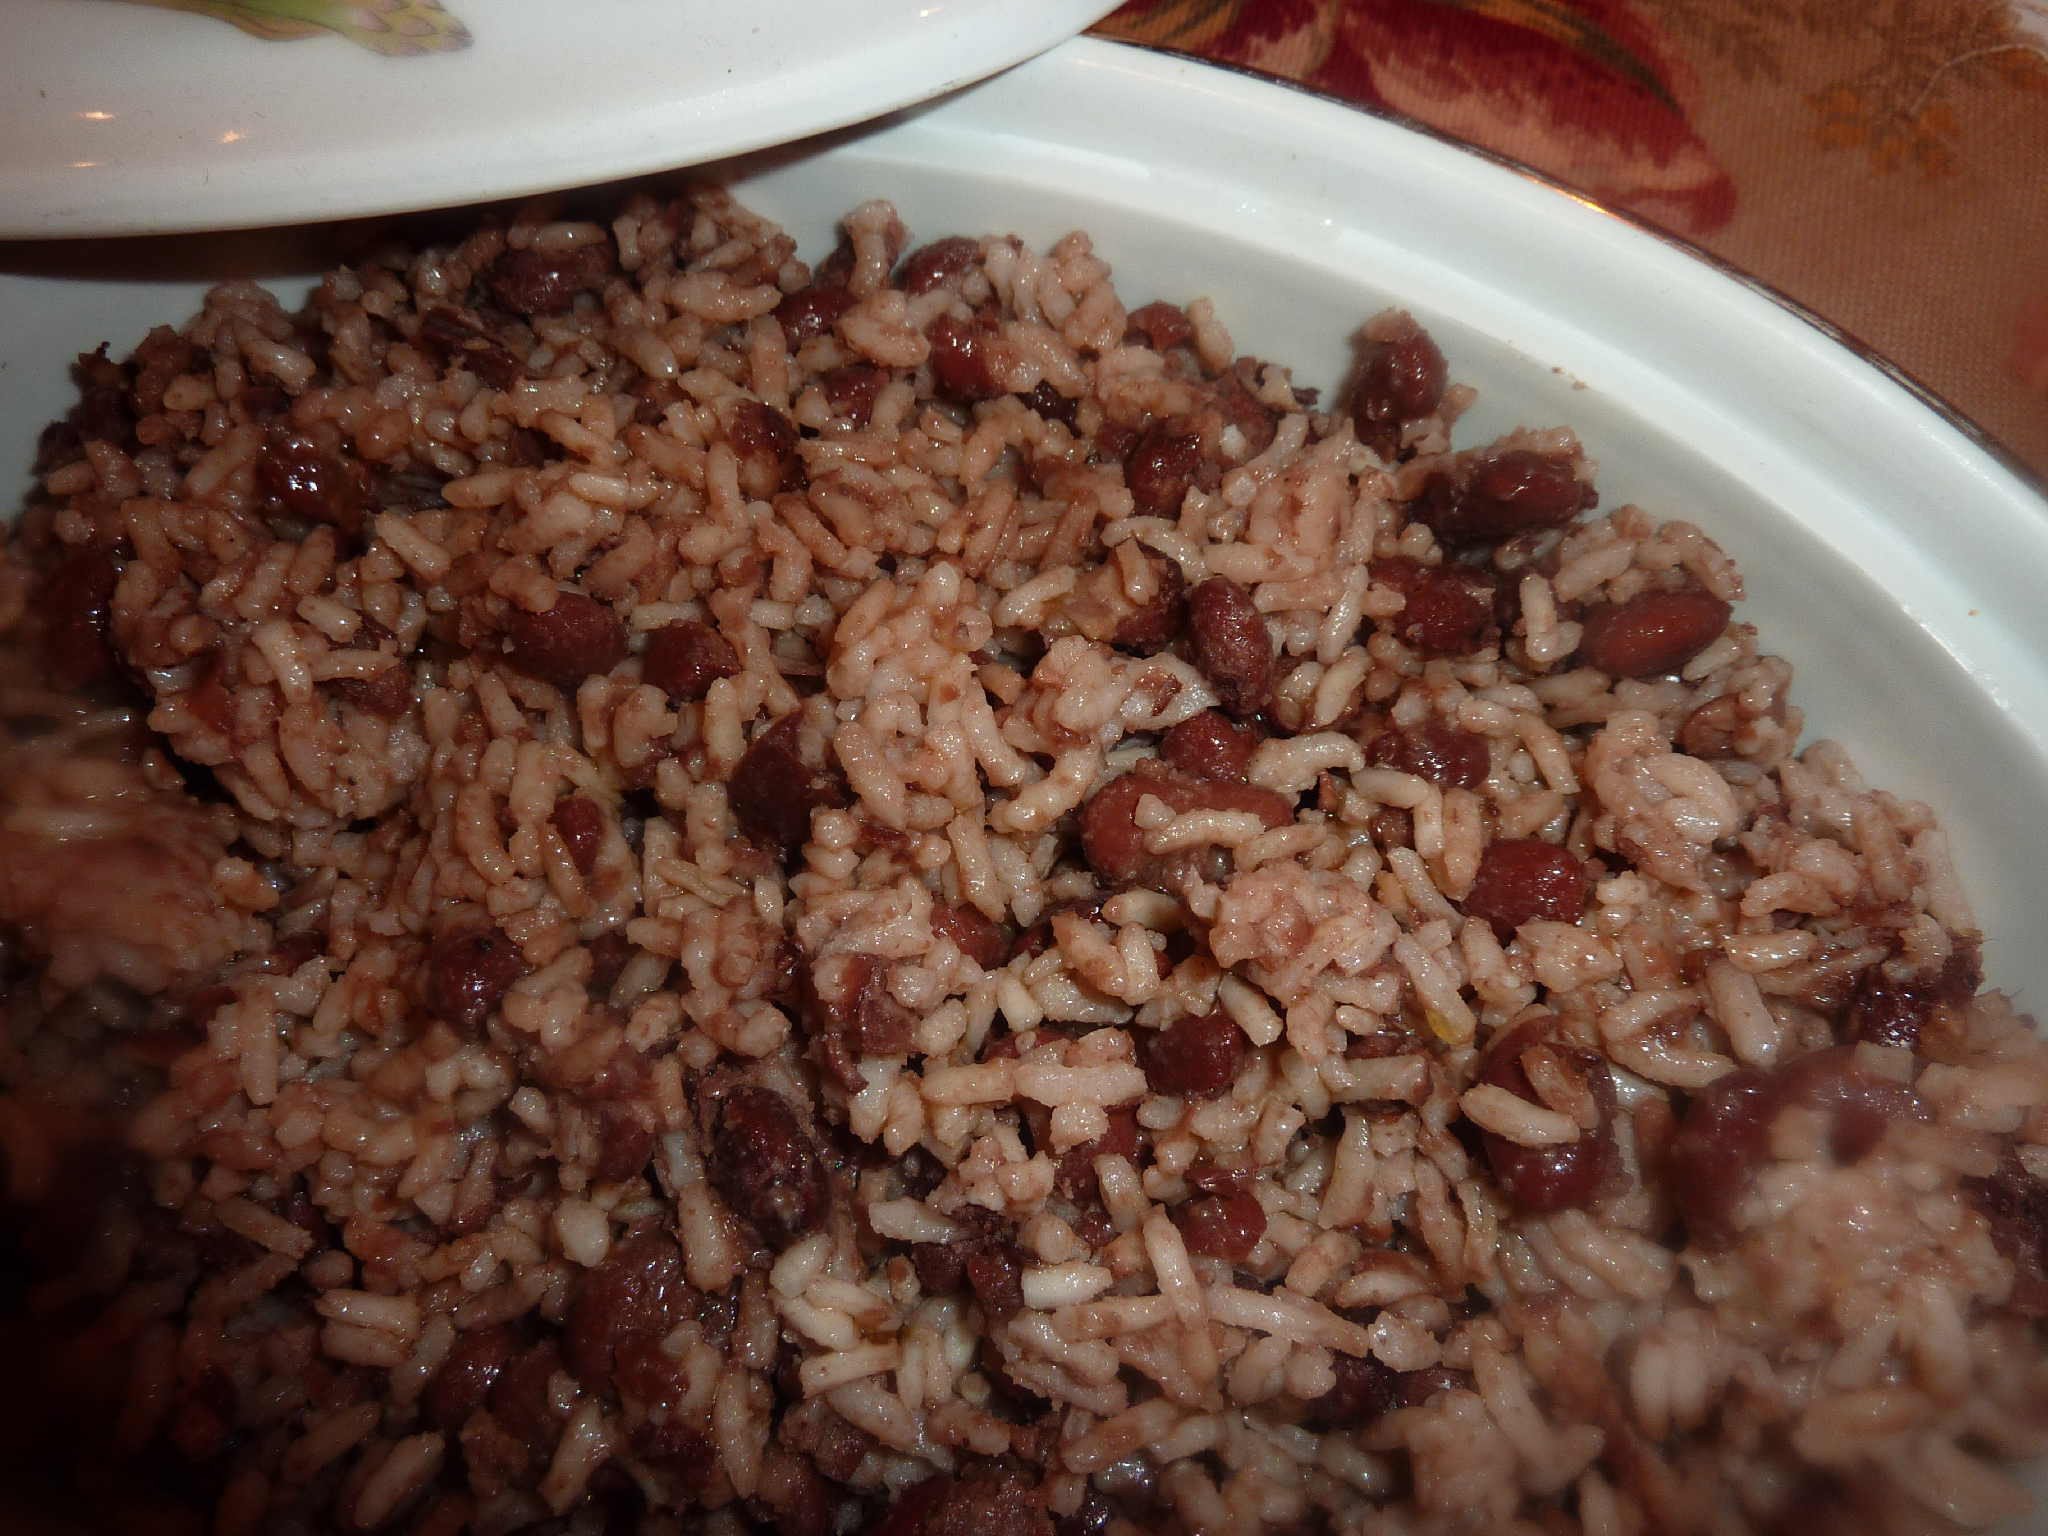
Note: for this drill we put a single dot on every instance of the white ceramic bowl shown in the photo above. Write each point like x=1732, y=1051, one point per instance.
x=1890, y=556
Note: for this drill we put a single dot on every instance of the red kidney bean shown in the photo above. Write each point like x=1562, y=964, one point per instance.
x=1710, y=730
x=980, y=938
x=773, y=790
x=1555, y=1178
x=625, y=1143
x=930, y=265
x=1500, y=495
x=453, y=340
x=521, y=1402
x=766, y=1166
x=685, y=658
x=76, y=599
x=1365, y=1390
x=1075, y=1175
x=467, y=1376
x=1521, y=879
x=1418, y=1387
x=812, y=312
x=1226, y=1226
x=851, y=390
x=1450, y=608
x=995, y=1273
x=1241, y=408
x=531, y=282
x=1160, y=468
x=846, y=995
x=609, y=952
x=1400, y=379
x=1036, y=939
x=634, y=1297
x=1113, y=843
x=1195, y=1057
x=1051, y=404
x=961, y=358
x=577, y=638
x=1653, y=633
x=469, y=970
x=1888, y=1010
x=1725, y=1134
x=580, y=822
x=297, y=478
x=985, y=1499
x=1443, y=754
x=1158, y=326
x=1229, y=644
x=387, y=693
x=2014, y=1205
x=765, y=441
x=1210, y=746
x=1156, y=625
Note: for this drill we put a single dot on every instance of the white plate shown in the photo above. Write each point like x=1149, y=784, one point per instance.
x=1894, y=560
x=120, y=119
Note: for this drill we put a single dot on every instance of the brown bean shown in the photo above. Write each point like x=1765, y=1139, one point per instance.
x=1156, y=625
x=637, y=1295
x=930, y=265
x=453, y=340
x=1195, y=1057
x=851, y=391
x=983, y=1499
x=1500, y=495
x=1051, y=404
x=76, y=600
x=1711, y=730
x=577, y=638
x=531, y=282
x=1898, y=1010
x=1443, y=754
x=1365, y=1390
x=773, y=790
x=766, y=1167
x=387, y=693
x=1521, y=879
x=1210, y=745
x=298, y=479
x=1114, y=844
x=995, y=1273
x=979, y=937
x=580, y=822
x=1400, y=379
x=1653, y=633
x=625, y=1143
x=1230, y=645
x=847, y=995
x=1161, y=468
x=1226, y=1226
x=105, y=411
x=1449, y=609
x=522, y=1402
x=764, y=440
x=469, y=970
x=685, y=658
x=467, y=1376
x=1554, y=1178
x=1159, y=326
x=2014, y=1205
x=962, y=358
x=812, y=312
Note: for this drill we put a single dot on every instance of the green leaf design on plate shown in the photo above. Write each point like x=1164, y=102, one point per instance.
x=396, y=28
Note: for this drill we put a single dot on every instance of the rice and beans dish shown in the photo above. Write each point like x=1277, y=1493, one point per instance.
x=648, y=888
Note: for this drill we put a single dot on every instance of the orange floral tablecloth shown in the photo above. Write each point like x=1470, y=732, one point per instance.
x=1883, y=162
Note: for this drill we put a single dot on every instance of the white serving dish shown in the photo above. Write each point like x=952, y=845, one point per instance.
x=120, y=119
